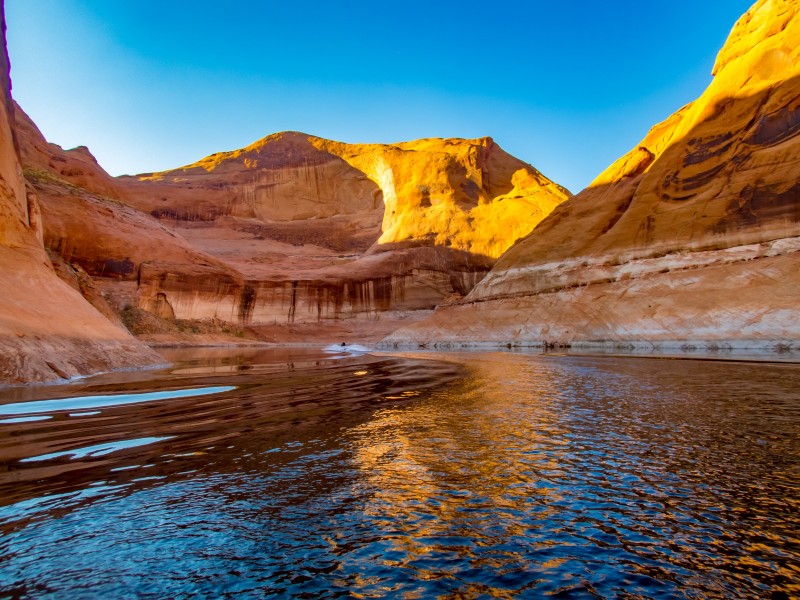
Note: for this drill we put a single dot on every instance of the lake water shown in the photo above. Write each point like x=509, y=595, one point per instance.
x=296, y=473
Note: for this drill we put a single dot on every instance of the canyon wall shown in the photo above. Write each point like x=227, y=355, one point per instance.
x=47, y=330
x=327, y=239
x=693, y=235
x=308, y=271
x=87, y=220
x=294, y=237
x=469, y=195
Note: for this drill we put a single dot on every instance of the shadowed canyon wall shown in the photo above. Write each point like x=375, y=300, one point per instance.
x=47, y=330
x=693, y=235
x=87, y=219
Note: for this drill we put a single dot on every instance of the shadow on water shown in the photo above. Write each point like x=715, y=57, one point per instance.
x=472, y=476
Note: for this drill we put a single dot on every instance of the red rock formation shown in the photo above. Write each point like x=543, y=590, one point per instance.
x=693, y=235
x=326, y=233
x=47, y=330
x=285, y=236
x=469, y=195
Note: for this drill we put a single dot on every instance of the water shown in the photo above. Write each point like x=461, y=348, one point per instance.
x=488, y=475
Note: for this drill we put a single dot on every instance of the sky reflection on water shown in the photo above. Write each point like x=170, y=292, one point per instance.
x=104, y=401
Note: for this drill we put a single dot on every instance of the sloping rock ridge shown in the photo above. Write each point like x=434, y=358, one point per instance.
x=693, y=235
x=47, y=330
x=293, y=237
x=332, y=239
x=86, y=217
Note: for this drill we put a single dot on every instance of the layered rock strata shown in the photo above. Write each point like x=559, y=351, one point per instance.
x=330, y=238
x=693, y=235
x=47, y=330
x=294, y=237
x=87, y=220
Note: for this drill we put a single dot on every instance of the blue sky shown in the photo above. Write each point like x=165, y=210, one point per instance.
x=567, y=86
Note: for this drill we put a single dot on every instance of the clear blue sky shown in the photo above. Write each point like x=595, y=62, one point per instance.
x=567, y=86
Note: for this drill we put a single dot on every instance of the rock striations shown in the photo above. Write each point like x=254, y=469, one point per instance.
x=327, y=240
x=47, y=330
x=691, y=236
x=294, y=238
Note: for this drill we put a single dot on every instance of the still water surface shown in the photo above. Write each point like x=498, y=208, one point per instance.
x=485, y=475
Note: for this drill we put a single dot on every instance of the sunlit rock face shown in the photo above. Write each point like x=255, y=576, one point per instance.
x=47, y=330
x=469, y=195
x=293, y=236
x=691, y=235
x=320, y=233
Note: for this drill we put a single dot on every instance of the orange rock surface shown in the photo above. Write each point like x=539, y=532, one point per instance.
x=47, y=330
x=470, y=195
x=294, y=236
x=345, y=238
x=691, y=235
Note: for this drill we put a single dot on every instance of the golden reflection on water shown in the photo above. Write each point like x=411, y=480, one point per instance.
x=420, y=485
x=635, y=456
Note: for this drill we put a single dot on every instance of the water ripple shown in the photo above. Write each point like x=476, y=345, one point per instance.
x=487, y=476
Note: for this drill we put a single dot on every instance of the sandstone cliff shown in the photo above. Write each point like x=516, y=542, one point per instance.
x=294, y=237
x=469, y=195
x=693, y=235
x=337, y=240
x=47, y=330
